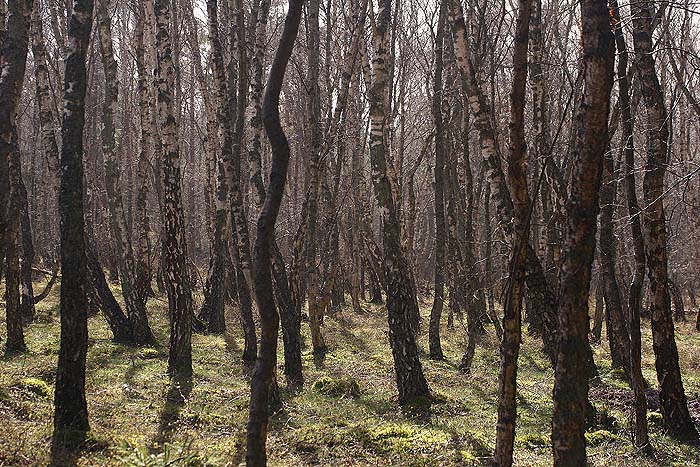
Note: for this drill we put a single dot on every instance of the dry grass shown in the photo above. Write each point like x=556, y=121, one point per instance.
x=140, y=421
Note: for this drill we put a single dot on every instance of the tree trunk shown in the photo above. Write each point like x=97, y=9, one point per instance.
x=400, y=288
x=13, y=303
x=237, y=102
x=542, y=301
x=174, y=246
x=146, y=150
x=512, y=309
x=213, y=307
x=618, y=335
x=440, y=236
x=135, y=302
x=674, y=406
x=572, y=370
x=263, y=374
x=71, y=416
x=634, y=300
x=24, y=236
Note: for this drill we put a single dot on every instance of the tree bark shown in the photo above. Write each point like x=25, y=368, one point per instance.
x=400, y=288
x=618, y=335
x=440, y=234
x=512, y=309
x=263, y=374
x=674, y=406
x=135, y=301
x=70, y=407
x=174, y=246
x=13, y=303
x=634, y=300
x=572, y=370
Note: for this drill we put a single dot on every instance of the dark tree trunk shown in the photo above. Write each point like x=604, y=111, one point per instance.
x=512, y=309
x=572, y=370
x=674, y=405
x=440, y=236
x=616, y=322
x=634, y=300
x=13, y=306
x=15, y=44
x=264, y=373
x=70, y=416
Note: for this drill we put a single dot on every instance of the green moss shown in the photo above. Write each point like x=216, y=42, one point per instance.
x=655, y=419
x=35, y=386
x=533, y=440
x=336, y=387
x=310, y=438
x=598, y=437
x=400, y=438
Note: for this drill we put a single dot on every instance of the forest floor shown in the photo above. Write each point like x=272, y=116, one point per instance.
x=346, y=415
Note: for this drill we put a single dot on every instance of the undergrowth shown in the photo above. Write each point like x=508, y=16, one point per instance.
x=346, y=414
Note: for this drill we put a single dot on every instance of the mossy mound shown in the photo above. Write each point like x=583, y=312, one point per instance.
x=336, y=387
x=598, y=437
x=533, y=440
x=399, y=438
x=35, y=386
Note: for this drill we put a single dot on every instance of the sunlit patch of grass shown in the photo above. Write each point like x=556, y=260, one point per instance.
x=346, y=414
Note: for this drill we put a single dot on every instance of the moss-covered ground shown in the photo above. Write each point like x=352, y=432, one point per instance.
x=346, y=415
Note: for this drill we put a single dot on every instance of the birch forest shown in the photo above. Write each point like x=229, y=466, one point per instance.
x=349, y=233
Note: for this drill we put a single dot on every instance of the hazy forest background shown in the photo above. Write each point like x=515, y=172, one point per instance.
x=349, y=233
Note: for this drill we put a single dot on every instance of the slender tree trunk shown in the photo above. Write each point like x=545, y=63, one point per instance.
x=572, y=370
x=146, y=149
x=70, y=415
x=174, y=246
x=13, y=305
x=400, y=288
x=512, y=309
x=135, y=302
x=635, y=290
x=213, y=307
x=542, y=300
x=674, y=406
x=618, y=335
x=237, y=102
x=24, y=236
x=263, y=374
x=440, y=236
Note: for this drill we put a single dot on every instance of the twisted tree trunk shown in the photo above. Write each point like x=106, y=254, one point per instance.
x=263, y=374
